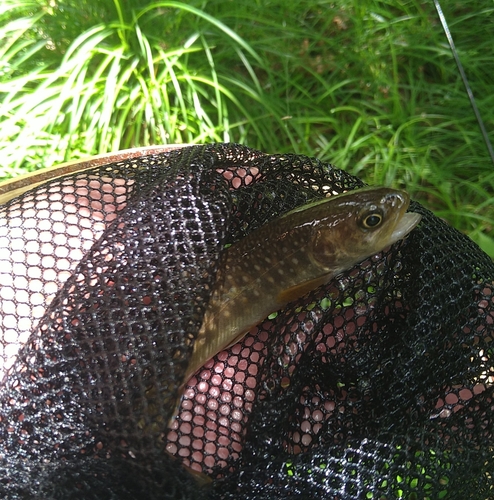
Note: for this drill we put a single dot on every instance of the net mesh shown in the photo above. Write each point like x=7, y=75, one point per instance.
x=376, y=385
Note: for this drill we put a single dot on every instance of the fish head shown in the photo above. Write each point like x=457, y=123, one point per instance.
x=359, y=224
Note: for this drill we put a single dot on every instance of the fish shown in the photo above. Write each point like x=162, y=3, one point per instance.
x=293, y=255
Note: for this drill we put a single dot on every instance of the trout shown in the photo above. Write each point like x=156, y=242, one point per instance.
x=289, y=257
x=293, y=255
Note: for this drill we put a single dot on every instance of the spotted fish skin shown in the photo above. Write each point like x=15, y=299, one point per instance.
x=294, y=254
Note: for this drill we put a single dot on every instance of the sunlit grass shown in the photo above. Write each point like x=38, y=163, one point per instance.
x=370, y=86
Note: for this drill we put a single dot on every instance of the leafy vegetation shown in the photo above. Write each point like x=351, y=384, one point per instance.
x=369, y=85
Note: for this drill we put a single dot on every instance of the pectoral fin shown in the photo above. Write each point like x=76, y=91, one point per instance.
x=297, y=291
x=238, y=338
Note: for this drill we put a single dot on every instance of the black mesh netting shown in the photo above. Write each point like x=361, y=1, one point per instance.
x=377, y=385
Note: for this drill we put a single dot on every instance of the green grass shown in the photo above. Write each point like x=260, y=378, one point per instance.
x=369, y=85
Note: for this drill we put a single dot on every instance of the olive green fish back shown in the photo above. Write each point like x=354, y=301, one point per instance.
x=377, y=385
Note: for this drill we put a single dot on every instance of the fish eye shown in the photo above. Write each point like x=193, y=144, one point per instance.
x=371, y=220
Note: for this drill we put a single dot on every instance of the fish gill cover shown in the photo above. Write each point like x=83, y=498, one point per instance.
x=376, y=385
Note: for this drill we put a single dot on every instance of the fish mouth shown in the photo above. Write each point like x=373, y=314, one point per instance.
x=406, y=224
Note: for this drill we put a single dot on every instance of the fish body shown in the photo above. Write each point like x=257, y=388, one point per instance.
x=294, y=254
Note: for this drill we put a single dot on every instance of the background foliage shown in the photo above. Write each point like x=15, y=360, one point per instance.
x=369, y=85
